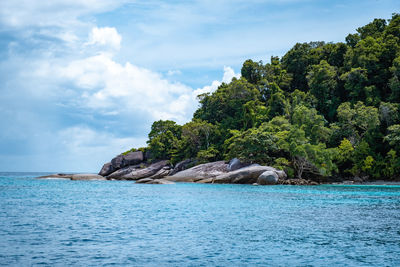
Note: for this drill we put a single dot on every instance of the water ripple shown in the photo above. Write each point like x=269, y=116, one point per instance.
x=59, y=223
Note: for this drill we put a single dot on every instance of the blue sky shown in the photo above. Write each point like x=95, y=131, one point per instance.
x=82, y=80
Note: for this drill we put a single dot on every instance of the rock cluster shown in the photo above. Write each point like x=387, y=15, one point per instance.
x=134, y=166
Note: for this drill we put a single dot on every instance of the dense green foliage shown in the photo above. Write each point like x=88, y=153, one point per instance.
x=323, y=109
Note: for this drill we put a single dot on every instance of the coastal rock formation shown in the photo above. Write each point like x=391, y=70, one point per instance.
x=106, y=169
x=153, y=181
x=132, y=167
x=132, y=158
x=200, y=172
x=121, y=161
x=268, y=178
x=160, y=181
x=121, y=172
x=134, y=173
x=164, y=171
x=87, y=176
x=246, y=175
x=144, y=180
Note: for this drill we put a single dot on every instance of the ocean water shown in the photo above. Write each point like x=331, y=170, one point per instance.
x=92, y=223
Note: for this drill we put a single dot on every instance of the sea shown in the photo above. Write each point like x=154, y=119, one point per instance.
x=56, y=222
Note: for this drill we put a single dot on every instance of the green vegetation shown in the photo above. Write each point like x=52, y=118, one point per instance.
x=322, y=109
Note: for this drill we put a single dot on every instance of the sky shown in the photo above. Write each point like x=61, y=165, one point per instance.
x=83, y=80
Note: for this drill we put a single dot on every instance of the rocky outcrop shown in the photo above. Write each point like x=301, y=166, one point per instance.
x=144, y=180
x=165, y=171
x=183, y=165
x=131, y=158
x=153, y=181
x=87, y=176
x=200, y=172
x=160, y=181
x=121, y=161
x=246, y=175
x=268, y=178
x=121, y=172
x=106, y=169
x=134, y=166
x=134, y=173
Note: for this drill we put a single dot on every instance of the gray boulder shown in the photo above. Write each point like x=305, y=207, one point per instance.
x=107, y=169
x=183, y=165
x=117, y=162
x=235, y=164
x=160, y=181
x=246, y=175
x=87, y=176
x=144, y=180
x=268, y=178
x=132, y=158
x=136, y=174
x=161, y=173
x=281, y=174
x=200, y=172
x=205, y=181
x=121, y=172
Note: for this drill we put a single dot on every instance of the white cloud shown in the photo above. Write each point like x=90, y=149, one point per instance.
x=82, y=139
x=229, y=74
x=111, y=87
x=106, y=36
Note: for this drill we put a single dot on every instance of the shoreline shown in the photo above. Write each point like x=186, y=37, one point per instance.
x=94, y=177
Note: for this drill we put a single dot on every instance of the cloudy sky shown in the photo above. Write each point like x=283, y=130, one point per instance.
x=82, y=80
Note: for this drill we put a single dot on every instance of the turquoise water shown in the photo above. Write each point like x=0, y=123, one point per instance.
x=86, y=223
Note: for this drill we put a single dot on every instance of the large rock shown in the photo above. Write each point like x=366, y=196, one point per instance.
x=137, y=174
x=107, y=169
x=161, y=173
x=235, y=164
x=121, y=172
x=183, y=165
x=132, y=158
x=160, y=181
x=144, y=180
x=87, y=176
x=268, y=178
x=200, y=172
x=117, y=162
x=281, y=174
x=246, y=175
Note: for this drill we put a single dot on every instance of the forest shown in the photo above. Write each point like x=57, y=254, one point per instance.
x=322, y=110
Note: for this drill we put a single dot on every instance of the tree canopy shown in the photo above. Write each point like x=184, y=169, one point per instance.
x=322, y=109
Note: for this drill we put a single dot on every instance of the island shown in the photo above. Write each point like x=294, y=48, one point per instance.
x=322, y=113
